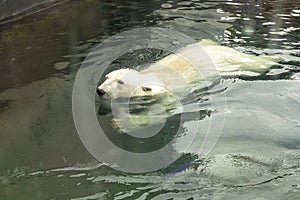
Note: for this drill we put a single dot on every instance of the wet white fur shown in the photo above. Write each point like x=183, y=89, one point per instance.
x=174, y=70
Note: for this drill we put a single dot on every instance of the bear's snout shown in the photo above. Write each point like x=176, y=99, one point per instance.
x=100, y=92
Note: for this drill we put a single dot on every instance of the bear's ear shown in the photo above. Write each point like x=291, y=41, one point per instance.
x=146, y=89
x=120, y=82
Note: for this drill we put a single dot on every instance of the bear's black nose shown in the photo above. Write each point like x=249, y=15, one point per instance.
x=100, y=92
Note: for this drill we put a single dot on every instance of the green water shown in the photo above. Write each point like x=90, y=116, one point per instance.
x=256, y=157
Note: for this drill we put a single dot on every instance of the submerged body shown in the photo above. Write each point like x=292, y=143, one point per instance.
x=172, y=81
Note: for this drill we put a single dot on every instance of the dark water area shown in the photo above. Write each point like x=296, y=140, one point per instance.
x=12, y=8
x=257, y=154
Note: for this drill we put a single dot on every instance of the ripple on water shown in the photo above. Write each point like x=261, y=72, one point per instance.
x=166, y=5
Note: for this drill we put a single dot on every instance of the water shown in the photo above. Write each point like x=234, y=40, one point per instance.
x=256, y=157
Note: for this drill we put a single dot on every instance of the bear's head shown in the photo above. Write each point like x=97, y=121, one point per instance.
x=126, y=83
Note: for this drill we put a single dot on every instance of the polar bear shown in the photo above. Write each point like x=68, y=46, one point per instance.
x=175, y=70
x=129, y=82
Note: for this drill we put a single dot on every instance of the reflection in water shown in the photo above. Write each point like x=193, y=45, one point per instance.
x=257, y=155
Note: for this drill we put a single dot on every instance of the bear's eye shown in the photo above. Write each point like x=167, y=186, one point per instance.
x=146, y=89
x=121, y=82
